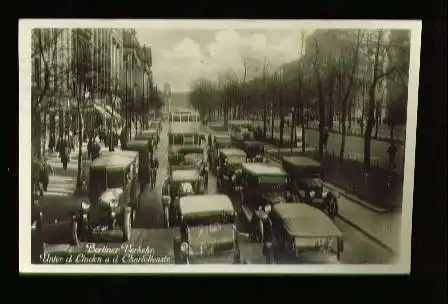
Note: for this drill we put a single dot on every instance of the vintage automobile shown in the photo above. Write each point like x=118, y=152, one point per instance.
x=180, y=182
x=183, y=134
x=264, y=185
x=141, y=146
x=240, y=131
x=190, y=155
x=219, y=141
x=153, y=132
x=229, y=169
x=254, y=150
x=208, y=234
x=37, y=242
x=299, y=233
x=306, y=181
x=113, y=197
x=148, y=139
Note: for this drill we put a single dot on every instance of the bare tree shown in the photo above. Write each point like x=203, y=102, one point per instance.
x=380, y=50
x=345, y=81
x=46, y=71
x=317, y=67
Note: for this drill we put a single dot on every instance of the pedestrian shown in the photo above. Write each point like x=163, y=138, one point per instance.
x=45, y=171
x=96, y=150
x=392, y=151
x=90, y=147
x=326, y=135
x=154, y=168
x=51, y=143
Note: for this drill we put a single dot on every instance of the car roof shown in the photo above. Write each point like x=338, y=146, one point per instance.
x=301, y=161
x=205, y=204
x=120, y=159
x=150, y=131
x=136, y=145
x=184, y=175
x=183, y=128
x=232, y=151
x=306, y=221
x=185, y=149
x=263, y=169
x=253, y=142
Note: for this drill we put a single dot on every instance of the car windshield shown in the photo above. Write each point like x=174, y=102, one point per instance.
x=272, y=184
x=222, y=219
x=186, y=188
x=193, y=158
x=223, y=145
x=115, y=179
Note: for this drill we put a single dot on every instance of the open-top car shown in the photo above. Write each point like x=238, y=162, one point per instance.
x=219, y=141
x=306, y=181
x=299, y=233
x=141, y=146
x=207, y=231
x=113, y=196
x=264, y=185
x=180, y=182
x=254, y=150
x=229, y=169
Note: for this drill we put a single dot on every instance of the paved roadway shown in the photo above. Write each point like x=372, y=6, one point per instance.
x=358, y=248
x=148, y=228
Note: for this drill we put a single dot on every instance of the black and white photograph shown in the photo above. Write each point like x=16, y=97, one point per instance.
x=241, y=146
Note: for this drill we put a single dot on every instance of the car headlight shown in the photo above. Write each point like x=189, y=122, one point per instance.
x=113, y=203
x=85, y=206
x=184, y=247
x=233, y=177
x=312, y=193
x=267, y=208
x=324, y=193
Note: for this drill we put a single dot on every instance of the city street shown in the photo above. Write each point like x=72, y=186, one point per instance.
x=149, y=230
x=359, y=248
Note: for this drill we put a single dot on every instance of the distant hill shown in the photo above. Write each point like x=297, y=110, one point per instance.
x=180, y=99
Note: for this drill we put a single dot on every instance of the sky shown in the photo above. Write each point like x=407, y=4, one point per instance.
x=182, y=56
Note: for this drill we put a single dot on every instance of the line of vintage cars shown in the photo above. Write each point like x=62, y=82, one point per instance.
x=282, y=205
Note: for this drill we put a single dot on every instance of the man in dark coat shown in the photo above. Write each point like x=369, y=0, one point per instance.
x=326, y=135
x=96, y=150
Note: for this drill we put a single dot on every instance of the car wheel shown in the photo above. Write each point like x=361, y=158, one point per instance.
x=260, y=232
x=133, y=215
x=127, y=224
x=166, y=213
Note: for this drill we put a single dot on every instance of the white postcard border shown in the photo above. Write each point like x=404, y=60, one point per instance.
x=24, y=40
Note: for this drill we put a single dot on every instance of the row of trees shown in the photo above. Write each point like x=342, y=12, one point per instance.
x=76, y=77
x=341, y=72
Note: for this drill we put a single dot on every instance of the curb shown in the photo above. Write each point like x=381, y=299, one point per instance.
x=372, y=237
x=355, y=199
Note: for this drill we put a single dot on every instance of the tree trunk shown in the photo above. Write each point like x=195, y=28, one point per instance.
x=344, y=130
x=321, y=124
x=80, y=130
x=272, y=121
x=369, y=126
x=265, y=116
x=282, y=119
x=44, y=132
x=37, y=133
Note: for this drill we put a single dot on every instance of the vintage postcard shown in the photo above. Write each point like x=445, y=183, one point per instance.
x=225, y=146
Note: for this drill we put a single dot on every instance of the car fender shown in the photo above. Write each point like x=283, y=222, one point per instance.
x=166, y=200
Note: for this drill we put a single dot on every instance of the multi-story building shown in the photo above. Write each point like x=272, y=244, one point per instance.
x=137, y=76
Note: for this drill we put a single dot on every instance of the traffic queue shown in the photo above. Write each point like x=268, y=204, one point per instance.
x=285, y=207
